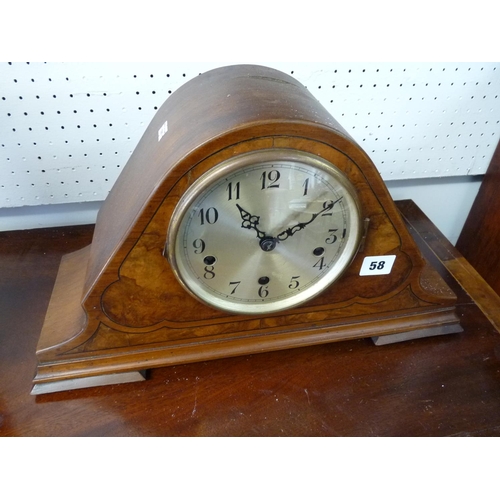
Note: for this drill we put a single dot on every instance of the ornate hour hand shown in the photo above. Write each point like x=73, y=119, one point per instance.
x=301, y=225
x=251, y=222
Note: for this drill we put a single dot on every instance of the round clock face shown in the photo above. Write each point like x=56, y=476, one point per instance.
x=264, y=231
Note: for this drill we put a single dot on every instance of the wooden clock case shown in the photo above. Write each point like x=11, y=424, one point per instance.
x=117, y=309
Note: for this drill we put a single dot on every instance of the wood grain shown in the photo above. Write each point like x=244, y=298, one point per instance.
x=459, y=267
x=479, y=240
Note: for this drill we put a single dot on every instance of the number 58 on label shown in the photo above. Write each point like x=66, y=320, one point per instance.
x=377, y=265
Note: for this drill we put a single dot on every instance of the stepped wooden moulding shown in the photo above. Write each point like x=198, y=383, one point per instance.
x=246, y=220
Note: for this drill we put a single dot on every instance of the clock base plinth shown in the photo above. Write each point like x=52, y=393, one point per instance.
x=85, y=382
x=140, y=376
x=71, y=356
x=417, y=334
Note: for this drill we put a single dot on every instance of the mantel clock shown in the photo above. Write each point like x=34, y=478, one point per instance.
x=246, y=220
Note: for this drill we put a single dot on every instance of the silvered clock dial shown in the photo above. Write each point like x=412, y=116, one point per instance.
x=264, y=231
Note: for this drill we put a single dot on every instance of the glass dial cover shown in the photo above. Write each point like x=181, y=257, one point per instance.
x=264, y=231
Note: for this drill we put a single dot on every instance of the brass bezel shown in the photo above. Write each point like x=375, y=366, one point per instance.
x=229, y=167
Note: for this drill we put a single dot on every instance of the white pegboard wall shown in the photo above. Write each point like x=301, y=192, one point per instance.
x=67, y=129
x=418, y=120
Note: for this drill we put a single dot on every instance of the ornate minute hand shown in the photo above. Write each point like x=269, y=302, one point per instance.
x=301, y=225
x=251, y=222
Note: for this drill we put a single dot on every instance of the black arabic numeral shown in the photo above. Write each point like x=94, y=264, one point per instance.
x=234, y=284
x=320, y=264
x=199, y=246
x=209, y=272
x=332, y=238
x=210, y=216
x=327, y=205
x=233, y=191
x=270, y=179
x=305, y=185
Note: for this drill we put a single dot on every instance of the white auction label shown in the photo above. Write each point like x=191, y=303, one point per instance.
x=377, y=264
x=162, y=131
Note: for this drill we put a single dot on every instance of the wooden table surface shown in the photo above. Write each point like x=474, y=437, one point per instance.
x=441, y=386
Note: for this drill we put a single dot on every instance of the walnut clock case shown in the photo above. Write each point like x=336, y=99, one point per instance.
x=246, y=220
